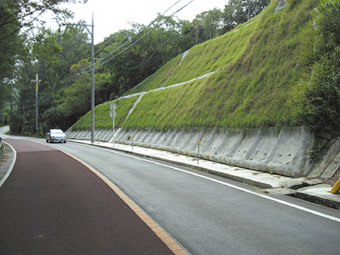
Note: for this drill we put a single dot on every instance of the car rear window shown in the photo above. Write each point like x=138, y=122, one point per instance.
x=57, y=132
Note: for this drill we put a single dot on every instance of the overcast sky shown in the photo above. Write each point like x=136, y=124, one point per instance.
x=111, y=16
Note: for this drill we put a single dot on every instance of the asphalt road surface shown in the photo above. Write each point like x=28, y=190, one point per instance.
x=52, y=204
x=212, y=215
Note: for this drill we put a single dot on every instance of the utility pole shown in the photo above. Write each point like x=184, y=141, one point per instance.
x=92, y=82
x=249, y=6
x=36, y=103
x=91, y=32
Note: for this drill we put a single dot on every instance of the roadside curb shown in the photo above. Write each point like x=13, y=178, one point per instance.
x=7, y=164
x=316, y=200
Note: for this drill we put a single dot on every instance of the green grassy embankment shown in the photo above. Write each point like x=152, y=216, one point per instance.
x=102, y=118
x=259, y=63
x=256, y=87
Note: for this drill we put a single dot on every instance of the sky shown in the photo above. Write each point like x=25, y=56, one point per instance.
x=110, y=16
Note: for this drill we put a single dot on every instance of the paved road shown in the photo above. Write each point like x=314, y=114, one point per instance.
x=211, y=215
x=52, y=204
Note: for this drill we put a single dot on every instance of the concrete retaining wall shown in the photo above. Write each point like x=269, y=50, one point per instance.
x=281, y=152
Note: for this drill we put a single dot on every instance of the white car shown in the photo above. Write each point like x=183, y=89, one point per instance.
x=55, y=135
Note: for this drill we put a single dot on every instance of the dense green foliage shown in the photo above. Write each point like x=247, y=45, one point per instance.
x=157, y=79
x=320, y=96
x=11, y=46
x=53, y=53
x=17, y=20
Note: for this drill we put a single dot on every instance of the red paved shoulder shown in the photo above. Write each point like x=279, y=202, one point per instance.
x=52, y=204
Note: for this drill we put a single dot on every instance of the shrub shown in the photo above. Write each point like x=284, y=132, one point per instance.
x=320, y=99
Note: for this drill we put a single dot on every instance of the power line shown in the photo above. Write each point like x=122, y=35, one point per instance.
x=129, y=39
x=144, y=34
x=153, y=21
x=101, y=61
x=98, y=62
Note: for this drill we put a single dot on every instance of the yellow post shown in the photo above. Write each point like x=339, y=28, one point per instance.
x=198, y=154
x=37, y=80
x=336, y=187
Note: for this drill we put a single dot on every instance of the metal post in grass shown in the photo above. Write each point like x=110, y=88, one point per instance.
x=113, y=114
x=132, y=142
x=198, y=152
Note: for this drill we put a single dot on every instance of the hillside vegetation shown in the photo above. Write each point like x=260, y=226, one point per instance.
x=102, y=118
x=261, y=71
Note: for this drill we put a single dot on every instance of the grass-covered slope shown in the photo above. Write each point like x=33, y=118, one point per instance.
x=258, y=67
x=158, y=79
x=201, y=59
x=260, y=63
x=102, y=118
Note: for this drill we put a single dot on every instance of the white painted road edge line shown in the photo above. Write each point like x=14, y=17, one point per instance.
x=326, y=216
x=9, y=171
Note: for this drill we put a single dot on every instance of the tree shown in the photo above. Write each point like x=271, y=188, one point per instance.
x=52, y=55
x=23, y=115
x=15, y=17
x=132, y=62
x=239, y=11
x=255, y=7
x=75, y=100
x=10, y=48
x=321, y=97
x=23, y=13
x=207, y=25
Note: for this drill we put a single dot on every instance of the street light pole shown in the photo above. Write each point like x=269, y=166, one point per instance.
x=92, y=83
x=91, y=32
x=36, y=104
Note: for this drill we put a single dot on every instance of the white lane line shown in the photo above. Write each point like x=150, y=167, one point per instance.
x=9, y=171
x=301, y=208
